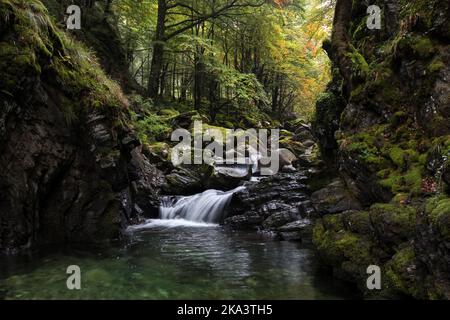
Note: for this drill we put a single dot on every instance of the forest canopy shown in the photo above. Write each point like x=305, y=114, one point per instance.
x=222, y=56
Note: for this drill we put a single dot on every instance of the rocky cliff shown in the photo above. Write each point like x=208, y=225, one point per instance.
x=385, y=121
x=71, y=167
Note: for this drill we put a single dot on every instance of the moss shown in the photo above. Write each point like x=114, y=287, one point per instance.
x=438, y=207
x=402, y=182
x=359, y=64
x=397, y=156
x=286, y=134
x=423, y=46
x=398, y=118
x=357, y=222
x=352, y=246
x=151, y=128
x=400, y=273
x=436, y=65
x=357, y=92
x=420, y=46
x=397, y=162
x=400, y=199
x=392, y=218
x=413, y=180
x=349, y=253
x=228, y=124
x=422, y=159
x=366, y=146
x=169, y=112
x=333, y=222
x=295, y=147
x=33, y=47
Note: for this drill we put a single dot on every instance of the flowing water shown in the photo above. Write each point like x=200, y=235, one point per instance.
x=184, y=255
x=209, y=206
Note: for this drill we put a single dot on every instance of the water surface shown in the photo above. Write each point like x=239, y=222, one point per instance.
x=174, y=260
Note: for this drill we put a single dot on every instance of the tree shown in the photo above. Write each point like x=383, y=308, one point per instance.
x=261, y=58
x=195, y=15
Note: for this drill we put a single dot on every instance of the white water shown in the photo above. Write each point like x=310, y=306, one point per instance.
x=171, y=223
x=207, y=207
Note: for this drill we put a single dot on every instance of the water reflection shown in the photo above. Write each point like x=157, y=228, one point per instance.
x=184, y=262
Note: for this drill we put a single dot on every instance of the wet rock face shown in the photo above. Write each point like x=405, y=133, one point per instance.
x=274, y=204
x=334, y=198
x=63, y=184
x=69, y=171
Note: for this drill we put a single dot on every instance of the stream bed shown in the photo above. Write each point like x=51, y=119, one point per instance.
x=174, y=259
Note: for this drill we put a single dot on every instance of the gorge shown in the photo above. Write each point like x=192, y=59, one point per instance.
x=87, y=178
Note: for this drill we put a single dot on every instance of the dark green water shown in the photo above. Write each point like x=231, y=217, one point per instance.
x=184, y=262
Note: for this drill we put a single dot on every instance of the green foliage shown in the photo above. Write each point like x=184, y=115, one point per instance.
x=151, y=128
x=236, y=59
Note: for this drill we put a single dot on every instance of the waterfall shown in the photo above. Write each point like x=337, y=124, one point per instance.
x=208, y=206
x=254, y=158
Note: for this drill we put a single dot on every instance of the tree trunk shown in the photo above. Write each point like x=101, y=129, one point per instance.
x=275, y=93
x=158, y=52
x=340, y=42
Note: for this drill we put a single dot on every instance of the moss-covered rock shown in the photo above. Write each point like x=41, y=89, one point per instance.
x=392, y=224
x=392, y=134
x=347, y=252
x=401, y=273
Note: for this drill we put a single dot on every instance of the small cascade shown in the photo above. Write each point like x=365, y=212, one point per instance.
x=209, y=206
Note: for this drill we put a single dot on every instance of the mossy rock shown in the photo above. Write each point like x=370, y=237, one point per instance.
x=296, y=147
x=358, y=222
x=392, y=224
x=401, y=273
x=438, y=213
x=169, y=112
x=417, y=45
x=349, y=253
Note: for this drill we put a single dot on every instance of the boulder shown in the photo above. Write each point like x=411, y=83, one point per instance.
x=300, y=230
x=295, y=147
x=229, y=177
x=286, y=157
x=270, y=203
x=288, y=169
x=303, y=135
x=188, y=179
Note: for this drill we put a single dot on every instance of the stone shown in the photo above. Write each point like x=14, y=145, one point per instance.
x=334, y=198
x=271, y=203
x=299, y=230
x=288, y=169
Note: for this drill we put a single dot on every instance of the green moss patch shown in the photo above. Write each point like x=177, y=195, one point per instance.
x=32, y=49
